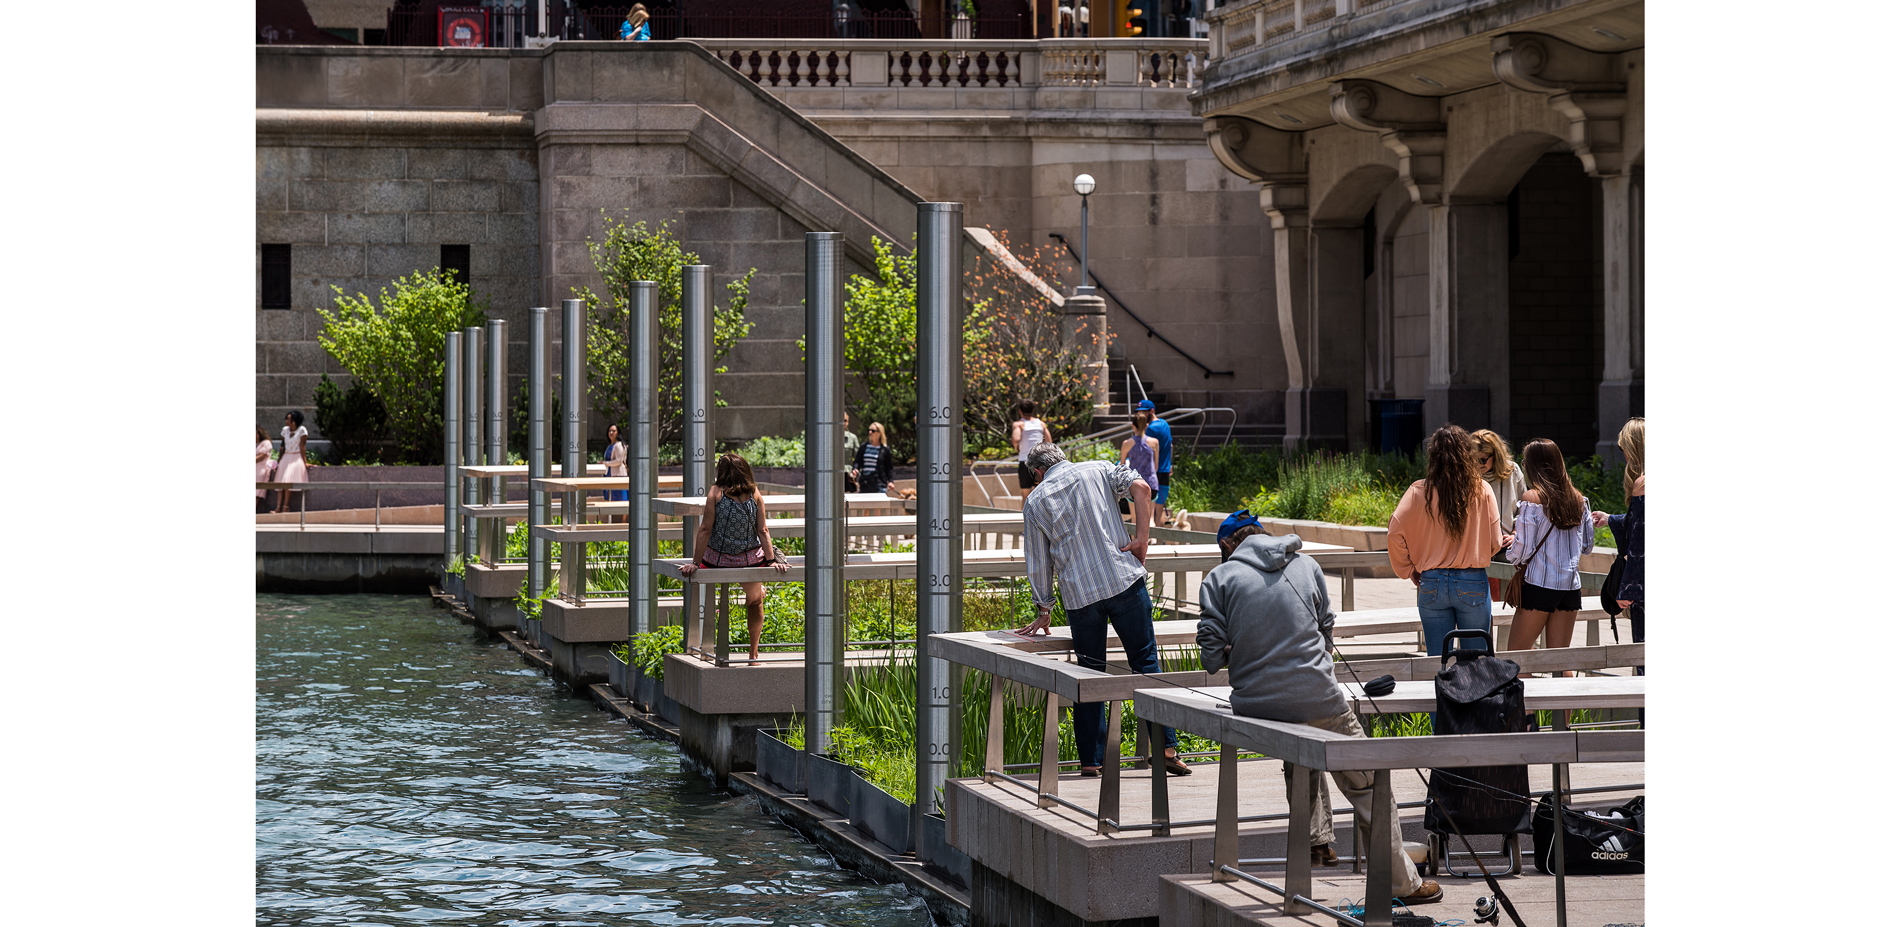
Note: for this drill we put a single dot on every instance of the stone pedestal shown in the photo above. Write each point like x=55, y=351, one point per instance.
x=1085, y=326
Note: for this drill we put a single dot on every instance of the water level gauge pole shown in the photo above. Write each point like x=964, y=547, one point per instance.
x=939, y=490
x=451, y=448
x=643, y=472
x=824, y=487
x=573, y=438
x=471, y=432
x=540, y=441
x=496, y=529
x=696, y=446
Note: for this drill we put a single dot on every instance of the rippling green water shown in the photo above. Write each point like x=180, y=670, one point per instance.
x=410, y=772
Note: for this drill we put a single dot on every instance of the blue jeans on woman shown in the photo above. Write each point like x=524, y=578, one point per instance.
x=1132, y=614
x=1453, y=600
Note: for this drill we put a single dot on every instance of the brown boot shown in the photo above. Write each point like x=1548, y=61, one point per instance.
x=1324, y=856
x=1428, y=893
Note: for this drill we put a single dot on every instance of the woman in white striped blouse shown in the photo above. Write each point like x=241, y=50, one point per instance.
x=1553, y=531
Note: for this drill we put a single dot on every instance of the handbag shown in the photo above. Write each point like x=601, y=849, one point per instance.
x=1514, y=591
x=1595, y=842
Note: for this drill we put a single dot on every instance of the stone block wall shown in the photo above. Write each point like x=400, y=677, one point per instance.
x=358, y=216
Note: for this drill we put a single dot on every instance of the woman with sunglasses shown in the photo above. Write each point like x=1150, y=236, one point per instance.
x=1506, y=480
x=874, y=467
x=732, y=533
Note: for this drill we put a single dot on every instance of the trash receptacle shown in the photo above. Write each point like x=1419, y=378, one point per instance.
x=1401, y=425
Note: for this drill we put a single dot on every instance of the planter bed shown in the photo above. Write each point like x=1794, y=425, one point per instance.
x=830, y=784
x=780, y=763
x=617, y=672
x=936, y=853
x=880, y=815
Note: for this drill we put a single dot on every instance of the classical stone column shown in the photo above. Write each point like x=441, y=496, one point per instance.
x=1469, y=376
x=1285, y=206
x=1620, y=394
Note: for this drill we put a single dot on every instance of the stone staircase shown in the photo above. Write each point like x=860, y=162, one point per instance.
x=1120, y=407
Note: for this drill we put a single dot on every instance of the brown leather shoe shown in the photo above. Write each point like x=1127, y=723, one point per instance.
x=1175, y=767
x=1428, y=893
x=1091, y=772
x=1323, y=855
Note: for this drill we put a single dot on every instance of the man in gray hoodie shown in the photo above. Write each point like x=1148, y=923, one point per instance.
x=1266, y=618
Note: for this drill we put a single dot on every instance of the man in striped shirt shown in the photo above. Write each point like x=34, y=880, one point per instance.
x=1071, y=523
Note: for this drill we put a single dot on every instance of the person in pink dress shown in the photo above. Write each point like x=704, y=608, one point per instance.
x=264, y=467
x=290, y=465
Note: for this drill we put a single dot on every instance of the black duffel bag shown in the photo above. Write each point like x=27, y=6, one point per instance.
x=1595, y=842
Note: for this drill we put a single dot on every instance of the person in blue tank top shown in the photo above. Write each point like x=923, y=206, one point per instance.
x=634, y=29
x=1164, y=463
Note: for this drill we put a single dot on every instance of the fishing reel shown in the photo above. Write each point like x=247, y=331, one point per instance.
x=1486, y=910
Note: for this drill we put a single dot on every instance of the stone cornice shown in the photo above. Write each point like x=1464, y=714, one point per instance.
x=1364, y=44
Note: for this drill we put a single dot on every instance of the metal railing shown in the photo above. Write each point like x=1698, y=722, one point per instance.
x=378, y=488
x=1206, y=371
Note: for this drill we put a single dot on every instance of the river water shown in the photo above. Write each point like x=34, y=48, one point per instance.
x=411, y=772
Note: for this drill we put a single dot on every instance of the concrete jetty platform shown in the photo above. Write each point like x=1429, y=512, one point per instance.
x=1199, y=901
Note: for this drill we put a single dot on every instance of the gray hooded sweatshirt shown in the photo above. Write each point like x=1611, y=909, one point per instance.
x=1269, y=605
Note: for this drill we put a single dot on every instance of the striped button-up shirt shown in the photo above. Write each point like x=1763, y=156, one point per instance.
x=1071, y=523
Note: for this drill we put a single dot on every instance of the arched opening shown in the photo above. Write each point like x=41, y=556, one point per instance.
x=1556, y=303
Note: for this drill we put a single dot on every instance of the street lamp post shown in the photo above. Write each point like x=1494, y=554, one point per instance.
x=1085, y=185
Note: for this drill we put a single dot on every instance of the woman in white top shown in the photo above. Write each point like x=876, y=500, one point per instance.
x=616, y=460
x=1553, y=531
x=1028, y=432
x=1507, y=484
x=290, y=465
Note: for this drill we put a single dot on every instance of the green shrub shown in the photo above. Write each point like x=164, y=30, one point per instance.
x=768, y=451
x=648, y=651
x=880, y=347
x=394, y=346
x=355, y=422
x=628, y=253
x=1218, y=480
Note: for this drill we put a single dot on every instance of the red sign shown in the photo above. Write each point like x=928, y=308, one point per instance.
x=463, y=27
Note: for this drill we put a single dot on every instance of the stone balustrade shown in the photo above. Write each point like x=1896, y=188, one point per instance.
x=965, y=63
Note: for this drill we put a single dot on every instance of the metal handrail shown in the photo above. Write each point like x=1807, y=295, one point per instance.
x=1206, y=371
x=1171, y=416
x=377, y=503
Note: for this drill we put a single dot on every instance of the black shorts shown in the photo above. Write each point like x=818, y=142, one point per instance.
x=1024, y=478
x=1539, y=599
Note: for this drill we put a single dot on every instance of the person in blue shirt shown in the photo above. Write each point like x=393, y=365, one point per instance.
x=635, y=28
x=1164, y=464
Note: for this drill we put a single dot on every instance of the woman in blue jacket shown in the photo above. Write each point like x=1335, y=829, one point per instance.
x=635, y=28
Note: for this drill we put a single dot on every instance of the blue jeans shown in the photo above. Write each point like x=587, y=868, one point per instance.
x=1132, y=614
x=1453, y=599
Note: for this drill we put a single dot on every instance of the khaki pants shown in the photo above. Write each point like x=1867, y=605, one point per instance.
x=1357, y=787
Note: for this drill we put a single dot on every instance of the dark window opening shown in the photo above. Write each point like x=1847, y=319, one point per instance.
x=375, y=37
x=277, y=276
x=455, y=263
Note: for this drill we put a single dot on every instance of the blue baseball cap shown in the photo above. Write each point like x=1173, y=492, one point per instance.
x=1147, y=406
x=1234, y=523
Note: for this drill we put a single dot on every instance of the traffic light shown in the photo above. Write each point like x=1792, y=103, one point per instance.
x=1130, y=17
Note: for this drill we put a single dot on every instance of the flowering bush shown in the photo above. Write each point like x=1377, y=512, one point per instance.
x=1015, y=349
